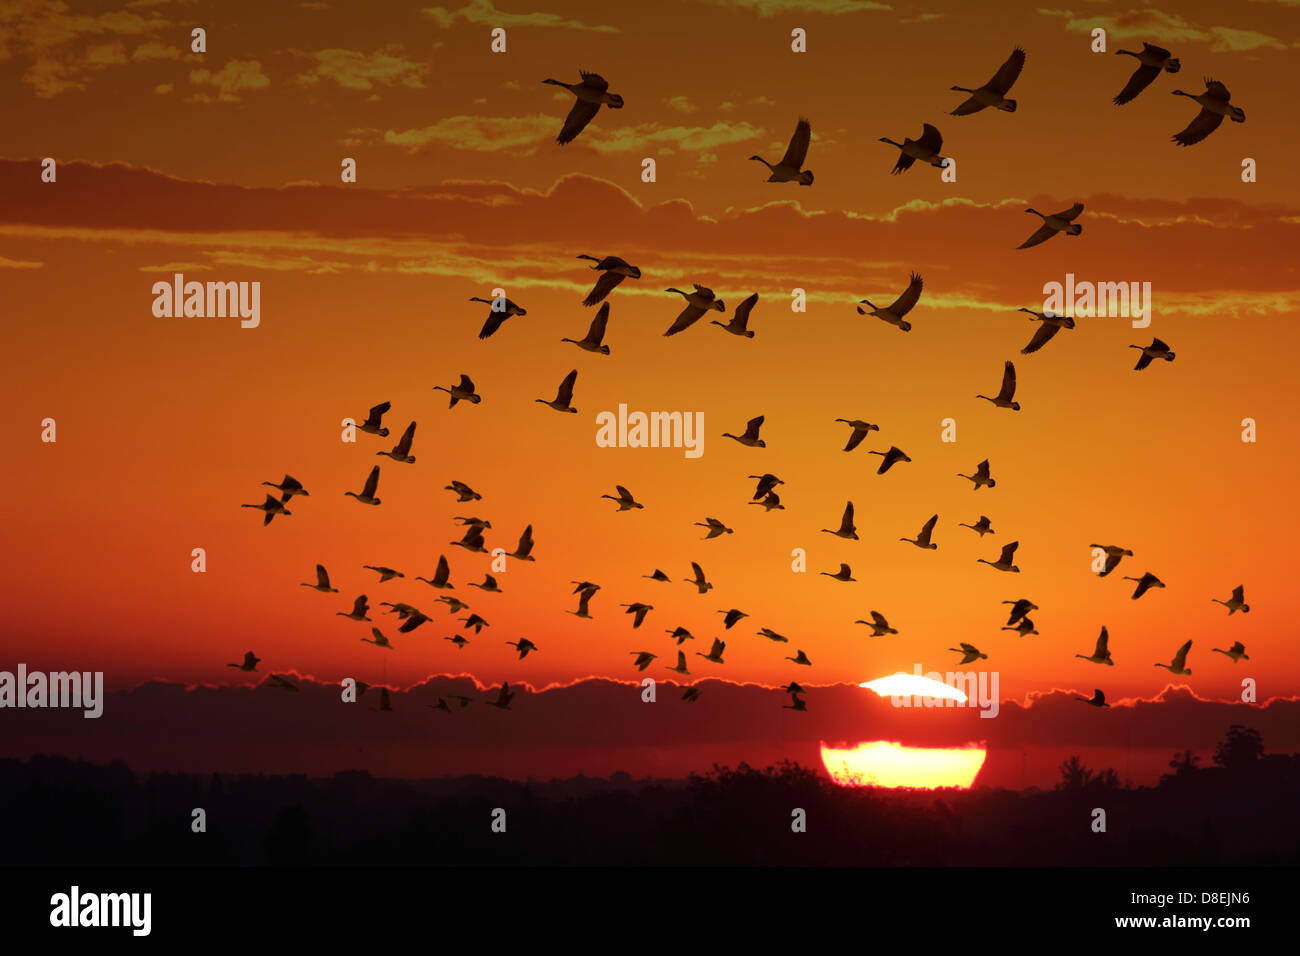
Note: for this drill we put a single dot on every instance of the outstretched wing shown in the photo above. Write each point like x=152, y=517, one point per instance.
x=752, y=426
x=1138, y=82
x=596, y=333
x=1217, y=90
x=1102, y=643
x=1044, y=335
x=903, y=165
x=1180, y=659
x=856, y=439
x=742, y=311
x=904, y=303
x=594, y=80
x=408, y=436
x=1071, y=213
x=577, y=120
x=1206, y=122
x=377, y=412
x=1009, y=551
x=493, y=322
x=1042, y=234
x=1007, y=73
x=972, y=105
x=603, y=287
x=565, y=395
x=931, y=138
x=797, y=151
x=1008, y=382
x=689, y=316
x=372, y=482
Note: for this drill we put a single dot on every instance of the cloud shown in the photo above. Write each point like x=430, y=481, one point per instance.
x=18, y=264
x=485, y=134
x=153, y=50
x=681, y=104
x=483, y=12
x=774, y=8
x=1167, y=28
x=235, y=77
x=353, y=70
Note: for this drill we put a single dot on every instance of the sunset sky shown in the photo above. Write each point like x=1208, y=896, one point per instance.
x=225, y=166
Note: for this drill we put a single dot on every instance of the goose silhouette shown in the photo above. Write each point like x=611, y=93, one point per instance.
x=860, y=429
x=371, y=425
x=790, y=168
x=1057, y=222
x=1151, y=61
x=1237, y=652
x=1235, y=603
x=563, y=401
x=322, y=581
x=1098, y=699
x=595, y=334
x=926, y=149
x=613, y=270
x=1101, y=653
x=643, y=659
x=846, y=528
x=592, y=93
x=402, y=450
x=1215, y=106
x=994, y=92
x=1114, y=554
x=1007, y=393
x=251, y=661
x=697, y=303
x=367, y=496
x=498, y=311
x=922, y=539
x=462, y=391
x=701, y=584
x=1178, y=664
x=440, y=576
x=1003, y=563
x=272, y=507
x=982, y=527
x=750, y=437
x=879, y=626
x=893, y=314
x=739, y=324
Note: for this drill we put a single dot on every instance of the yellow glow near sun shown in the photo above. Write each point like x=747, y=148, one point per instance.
x=908, y=685
x=886, y=763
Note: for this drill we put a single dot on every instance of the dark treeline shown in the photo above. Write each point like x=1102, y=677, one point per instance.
x=1237, y=811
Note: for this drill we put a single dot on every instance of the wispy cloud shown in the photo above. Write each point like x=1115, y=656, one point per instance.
x=236, y=77
x=483, y=11
x=1167, y=27
x=773, y=8
x=354, y=70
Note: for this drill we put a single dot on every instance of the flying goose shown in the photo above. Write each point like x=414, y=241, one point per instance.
x=1144, y=584
x=1237, y=652
x=772, y=501
x=1214, y=107
x=371, y=425
x=731, y=617
x=473, y=540
x=715, y=653
x=251, y=661
x=367, y=496
x=563, y=401
x=790, y=168
x=750, y=437
x=440, y=576
x=358, y=612
x=922, y=539
x=1235, y=603
x=701, y=584
x=1050, y=325
x=489, y=584
x=505, y=695
x=799, y=658
x=592, y=93
x=1156, y=350
x=860, y=429
x=643, y=659
x=1100, y=654
x=794, y=688
x=982, y=527
x=796, y=703
x=1114, y=554
x=846, y=528
x=464, y=493
x=289, y=487
x=926, y=149
x=657, y=576
x=968, y=652
x=401, y=609
x=498, y=311
x=413, y=621
x=681, y=664
x=1057, y=222
x=994, y=92
x=454, y=604
x=680, y=634
x=739, y=324
x=441, y=705
x=1026, y=626
x=272, y=506
x=640, y=610
x=385, y=574
x=613, y=270
x=473, y=520
x=523, y=646
x=402, y=450
x=1151, y=61
x=715, y=527
x=893, y=314
x=1019, y=608
x=1008, y=391
x=879, y=626
x=1098, y=699
x=378, y=639
x=772, y=635
x=981, y=476
x=322, y=581
x=464, y=390
x=524, y=550
x=583, y=600
x=845, y=573
x=766, y=482
x=584, y=586
x=697, y=303
x=473, y=621
x=625, y=501
x=1003, y=563
x=891, y=458
x=1178, y=664
x=691, y=694
x=458, y=640
x=279, y=683
x=595, y=334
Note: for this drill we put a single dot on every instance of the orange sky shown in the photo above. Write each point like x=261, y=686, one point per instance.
x=230, y=172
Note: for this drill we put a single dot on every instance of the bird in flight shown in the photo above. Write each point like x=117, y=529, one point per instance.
x=879, y=626
x=378, y=639
x=701, y=584
x=613, y=270
x=1151, y=61
x=524, y=550
x=1101, y=653
x=371, y=425
x=640, y=610
x=994, y=92
x=1019, y=609
x=1005, y=397
x=739, y=324
x=1098, y=699
x=926, y=149
x=1179, y=664
x=563, y=401
x=440, y=576
x=272, y=507
x=499, y=309
x=1145, y=584
x=691, y=694
x=322, y=581
x=790, y=168
x=458, y=640
x=523, y=646
x=385, y=574
x=799, y=658
x=643, y=659
x=891, y=458
x=1237, y=652
x=475, y=622
x=681, y=664
x=1050, y=325
x=454, y=604
x=860, y=429
x=504, y=696
x=359, y=610
x=367, y=496
x=796, y=703
x=715, y=527
x=592, y=93
x=982, y=527
x=583, y=600
x=463, y=391
x=472, y=541
x=657, y=576
x=1057, y=222
x=772, y=501
x=715, y=653
x=922, y=539
x=845, y=573
x=681, y=635
x=846, y=528
x=251, y=661
x=489, y=584
x=766, y=483
x=625, y=501
x=772, y=635
x=1214, y=107
x=595, y=334
x=413, y=621
x=1024, y=627
x=697, y=303
x=1114, y=554
x=288, y=488
x=1237, y=602
x=402, y=450
x=1003, y=563
x=464, y=493
x=731, y=617
x=981, y=476
x=750, y=437
x=893, y=314
x=969, y=652
x=1156, y=350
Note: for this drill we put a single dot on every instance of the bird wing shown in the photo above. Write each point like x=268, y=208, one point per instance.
x=846, y=523
x=1239, y=592
x=879, y=619
x=603, y=287
x=1138, y=82
x=1111, y=561
x=1217, y=90
x=1041, y=234
x=1041, y=337
x=688, y=317
x=741, y=318
x=1008, y=552
x=408, y=436
x=565, y=395
x=856, y=438
x=322, y=576
x=1103, y=640
x=903, y=304
x=372, y=483
x=1007, y=73
x=699, y=571
x=797, y=151
x=466, y=383
x=594, y=80
x=597, y=331
x=493, y=322
x=1143, y=361
x=377, y=412
x=525, y=541
x=752, y=426
x=623, y=492
x=1181, y=657
x=577, y=120
x=1008, y=382
x=1071, y=213
x=1159, y=344
x=969, y=648
x=971, y=105
x=444, y=571
x=359, y=606
x=928, y=528
x=904, y=163
x=982, y=469
x=1205, y=123
x=931, y=138
x=1157, y=50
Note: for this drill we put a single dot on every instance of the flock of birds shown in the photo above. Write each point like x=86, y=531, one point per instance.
x=591, y=93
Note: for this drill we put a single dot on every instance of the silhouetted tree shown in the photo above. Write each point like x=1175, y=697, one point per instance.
x=1241, y=747
x=1074, y=775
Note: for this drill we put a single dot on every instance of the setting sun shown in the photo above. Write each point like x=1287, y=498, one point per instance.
x=885, y=763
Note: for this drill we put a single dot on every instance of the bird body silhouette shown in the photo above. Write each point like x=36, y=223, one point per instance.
x=592, y=93
x=994, y=92
x=893, y=314
x=790, y=168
